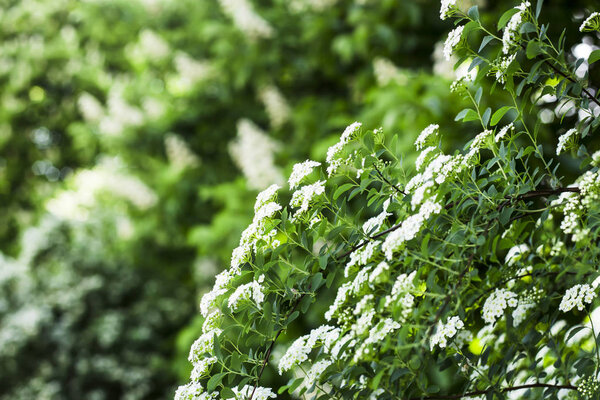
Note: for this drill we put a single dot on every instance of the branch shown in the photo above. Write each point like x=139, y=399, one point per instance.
x=387, y=181
x=504, y=390
x=271, y=346
x=584, y=90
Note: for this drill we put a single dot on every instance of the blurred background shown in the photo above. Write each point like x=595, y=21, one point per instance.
x=135, y=135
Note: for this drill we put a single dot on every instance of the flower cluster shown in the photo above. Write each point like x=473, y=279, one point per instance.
x=426, y=136
x=300, y=171
x=576, y=297
x=303, y=197
x=453, y=39
x=446, y=331
x=591, y=23
x=260, y=393
x=494, y=306
x=511, y=31
x=334, y=152
x=446, y=9
x=565, y=140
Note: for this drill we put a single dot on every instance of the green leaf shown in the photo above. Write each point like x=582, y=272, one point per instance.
x=484, y=42
x=473, y=13
x=215, y=381
x=499, y=114
x=533, y=49
x=594, y=56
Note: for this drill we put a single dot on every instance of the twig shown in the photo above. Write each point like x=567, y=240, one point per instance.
x=388, y=182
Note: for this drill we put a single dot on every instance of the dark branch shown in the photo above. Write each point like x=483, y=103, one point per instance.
x=388, y=182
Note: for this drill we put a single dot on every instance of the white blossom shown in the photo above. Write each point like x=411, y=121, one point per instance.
x=254, y=153
x=453, y=39
x=511, y=31
x=496, y=304
x=300, y=171
x=333, y=153
x=446, y=331
x=576, y=297
x=246, y=19
x=564, y=140
x=591, y=23
x=303, y=197
x=193, y=391
x=252, y=290
x=502, y=133
x=515, y=253
x=260, y=393
x=276, y=105
x=426, y=135
x=446, y=8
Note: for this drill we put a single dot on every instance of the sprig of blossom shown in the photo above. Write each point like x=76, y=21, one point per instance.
x=333, y=153
x=447, y=8
x=503, y=67
x=502, y=133
x=446, y=331
x=591, y=23
x=252, y=290
x=453, y=39
x=260, y=393
x=480, y=140
x=426, y=135
x=495, y=305
x=303, y=197
x=576, y=297
x=511, y=31
x=565, y=140
x=300, y=171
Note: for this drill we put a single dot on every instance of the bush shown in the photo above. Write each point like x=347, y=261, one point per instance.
x=473, y=273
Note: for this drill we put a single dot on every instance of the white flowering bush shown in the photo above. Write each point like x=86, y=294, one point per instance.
x=470, y=272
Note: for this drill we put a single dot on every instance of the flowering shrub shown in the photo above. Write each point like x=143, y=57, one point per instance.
x=478, y=264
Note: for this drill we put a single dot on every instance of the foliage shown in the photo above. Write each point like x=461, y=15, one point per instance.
x=473, y=273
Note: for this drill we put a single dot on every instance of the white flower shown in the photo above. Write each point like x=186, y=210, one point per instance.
x=446, y=331
x=512, y=27
x=266, y=196
x=503, y=66
x=453, y=39
x=592, y=23
x=576, y=296
x=333, y=153
x=254, y=153
x=361, y=256
x=202, y=367
x=298, y=352
x=178, y=152
x=423, y=157
x=276, y=105
x=480, y=140
x=564, y=140
x=305, y=195
x=202, y=345
x=246, y=19
x=315, y=372
x=596, y=159
x=247, y=291
x=496, y=304
x=425, y=135
x=260, y=393
x=446, y=8
x=300, y=171
x=502, y=133
x=193, y=391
